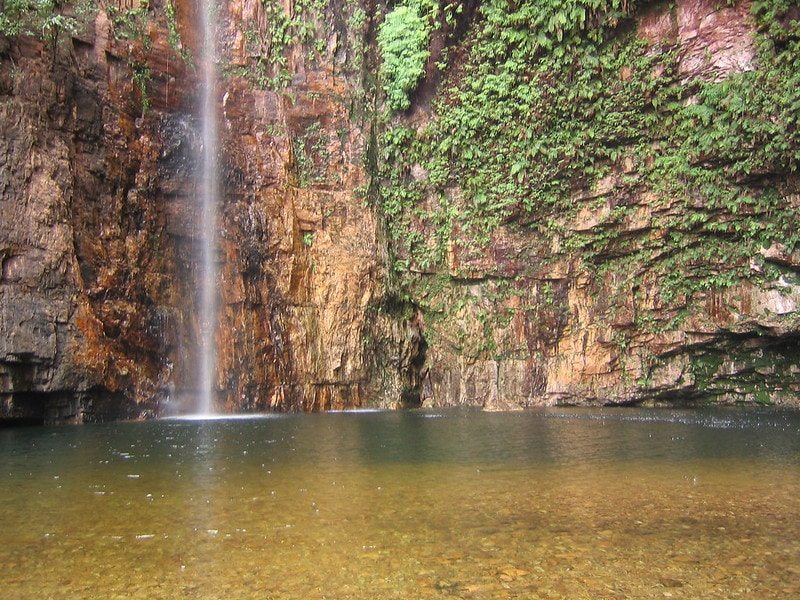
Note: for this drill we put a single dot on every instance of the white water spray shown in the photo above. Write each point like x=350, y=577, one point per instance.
x=209, y=194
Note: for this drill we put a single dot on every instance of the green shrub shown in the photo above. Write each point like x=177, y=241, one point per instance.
x=403, y=41
x=550, y=97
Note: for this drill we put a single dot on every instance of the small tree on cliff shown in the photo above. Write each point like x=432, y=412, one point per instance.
x=42, y=19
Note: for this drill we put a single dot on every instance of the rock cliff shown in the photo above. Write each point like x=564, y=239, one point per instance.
x=100, y=220
x=599, y=205
x=596, y=204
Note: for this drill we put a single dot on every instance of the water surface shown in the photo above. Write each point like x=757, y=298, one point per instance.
x=611, y=503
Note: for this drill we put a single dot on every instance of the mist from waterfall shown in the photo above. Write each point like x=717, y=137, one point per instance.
x=208, y=185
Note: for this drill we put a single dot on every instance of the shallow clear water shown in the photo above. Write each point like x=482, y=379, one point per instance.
x=611, y=503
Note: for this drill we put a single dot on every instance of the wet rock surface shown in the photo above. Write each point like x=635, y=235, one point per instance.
x=100, y=233
x=99, y=242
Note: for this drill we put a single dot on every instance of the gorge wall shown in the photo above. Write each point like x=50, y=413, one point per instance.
x=543, y=203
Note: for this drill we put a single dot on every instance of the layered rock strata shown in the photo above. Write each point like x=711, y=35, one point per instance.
x=320, y=308
x=100, y=227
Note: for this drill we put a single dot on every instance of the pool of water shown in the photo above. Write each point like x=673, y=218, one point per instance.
x=552, y=503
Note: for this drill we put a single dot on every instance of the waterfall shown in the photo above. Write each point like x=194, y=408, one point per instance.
x=209, y=196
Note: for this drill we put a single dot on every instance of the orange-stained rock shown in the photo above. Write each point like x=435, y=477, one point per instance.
x=100, y=238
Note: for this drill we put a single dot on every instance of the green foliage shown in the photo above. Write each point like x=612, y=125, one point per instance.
x=174, y=36
x=517, y=125
x=312, y=156
x=552, y=97
x=130, y=24
x=357, y=26
x=773, y=19
x=43, y=19
x=403, y=40
x=269, y=46
x=142, y=75
x=47, y=19
x=724, y=147
x=549, y=25
x=38, y=18
x=554, y=108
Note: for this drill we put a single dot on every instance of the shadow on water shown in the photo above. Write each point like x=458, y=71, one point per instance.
x=542, y=436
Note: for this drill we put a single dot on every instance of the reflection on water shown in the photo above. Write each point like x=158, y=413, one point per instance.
x=611, y=503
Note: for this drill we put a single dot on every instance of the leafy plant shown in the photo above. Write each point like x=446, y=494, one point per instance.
x=130, y=23
x=311, y=155
x=142, y=75
x=403, y=40
x=268, y=40
x=39, y=18
x=43, y=19
x=174, y=36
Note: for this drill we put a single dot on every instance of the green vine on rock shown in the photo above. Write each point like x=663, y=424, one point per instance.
x=558, y=124
x=269, y=39
x=130, y=23
x=43, y=19
x=174, y=36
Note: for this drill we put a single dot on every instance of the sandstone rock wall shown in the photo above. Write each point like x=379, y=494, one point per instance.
x=100, y=227
x=100, y=236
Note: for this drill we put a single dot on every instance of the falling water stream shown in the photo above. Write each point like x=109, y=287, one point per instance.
x=209, y=194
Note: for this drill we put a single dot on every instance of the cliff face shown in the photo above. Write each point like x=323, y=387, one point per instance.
x=89, y=317
x=100, y=222
x=365, y=257
x=608, y=205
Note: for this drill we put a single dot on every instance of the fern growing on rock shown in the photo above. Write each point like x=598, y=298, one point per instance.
x=403, y=41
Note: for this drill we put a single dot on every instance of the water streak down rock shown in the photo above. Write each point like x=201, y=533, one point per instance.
x=99, y=237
